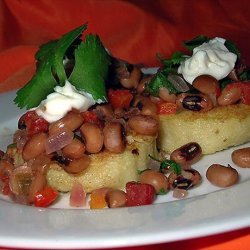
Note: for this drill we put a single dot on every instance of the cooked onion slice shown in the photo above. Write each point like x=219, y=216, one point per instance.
x=19, y=179
x=178, y=82
x=59, y=140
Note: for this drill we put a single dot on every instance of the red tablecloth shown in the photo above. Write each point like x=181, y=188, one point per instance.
x=131, y=30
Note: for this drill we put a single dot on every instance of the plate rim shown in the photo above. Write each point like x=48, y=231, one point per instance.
x=63, y=242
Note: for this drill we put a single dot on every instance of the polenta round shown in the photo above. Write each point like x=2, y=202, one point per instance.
x=214, y=130
x=107, y=169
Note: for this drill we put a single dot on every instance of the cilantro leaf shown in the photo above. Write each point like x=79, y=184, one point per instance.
x=195, y=42
x=49, y=63
x=91, y=62
x=169, y=164
x=37, y=88
x=176, y=58
x=231, y=46
x=60, y=49
x=160, y=80
x=90, y=56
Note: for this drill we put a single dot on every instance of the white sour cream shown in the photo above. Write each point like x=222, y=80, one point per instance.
x=211, y=58
x=60, y=102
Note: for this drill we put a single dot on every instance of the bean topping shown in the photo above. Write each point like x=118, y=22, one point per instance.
x=133, y=80
x=241, y=157
x=206, y=84
x=222, y=176
x=74, y=150
x=93, y=137
x=166, y=96
x=194, y=102
x=34, y=146
x=76, y=166
x=158, y=180
x=116, y=198
x=113, y=137
x=72, y=121
x=144, y=125
x=229, y=96
x=187, y=154
x=188, y=178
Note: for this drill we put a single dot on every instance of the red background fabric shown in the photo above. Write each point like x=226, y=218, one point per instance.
x=132, y=30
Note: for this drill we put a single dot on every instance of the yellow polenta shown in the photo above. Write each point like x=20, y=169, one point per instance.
x=215, y=130
x=107, y=169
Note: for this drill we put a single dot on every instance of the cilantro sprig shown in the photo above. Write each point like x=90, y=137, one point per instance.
x=168, y=165
x=170, y=65
x=90, y=68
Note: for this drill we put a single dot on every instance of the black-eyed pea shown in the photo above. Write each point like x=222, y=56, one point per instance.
x=187, y=154
x=34, y=146
x=165, y=95
x=133, y=80
x=76, y=166
x=113, y=137
x=187, y=179
x=144, y=124
x=206, y=84
x=75, y=149
x=116, y=198
x=93, y=137
x=222, y=176
x=72, y=121
x=194, y=102
x=229, y=96
x=241, y=157
x=158, y=180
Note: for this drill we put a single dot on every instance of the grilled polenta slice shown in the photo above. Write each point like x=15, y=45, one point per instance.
x=107, y=169
x=215, y=130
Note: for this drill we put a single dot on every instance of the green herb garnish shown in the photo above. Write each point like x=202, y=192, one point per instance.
x=195, y=42
x=172, y=165
x=231, y=46
x=176, y=58
x=158, y=81
x=90, y=67
x=168, y=165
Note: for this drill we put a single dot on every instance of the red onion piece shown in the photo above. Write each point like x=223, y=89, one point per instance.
x=59, y=140
x=77, y=195
x=15, y=178
x=178, y=82
x=179, y=193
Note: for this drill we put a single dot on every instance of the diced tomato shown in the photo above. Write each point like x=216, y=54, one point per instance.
x=91, y=116
x=6, y=188
x=139, y=194
x=120, y=98
x=27, y=118
x=166, y=108
x=45, y=197
x=34, y=124
x=37, y=126
x=245, y=89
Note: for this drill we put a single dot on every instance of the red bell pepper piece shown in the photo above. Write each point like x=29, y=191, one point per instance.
x=166, y=108
x=91, y=116
x=33, y=123
x=45, y=197
x=120, y=98
x=139, y=194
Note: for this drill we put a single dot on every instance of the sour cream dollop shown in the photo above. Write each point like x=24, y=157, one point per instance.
x=60, y=102
x=211, y=58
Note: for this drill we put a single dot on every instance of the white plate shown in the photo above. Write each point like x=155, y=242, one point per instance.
x=207, y=210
